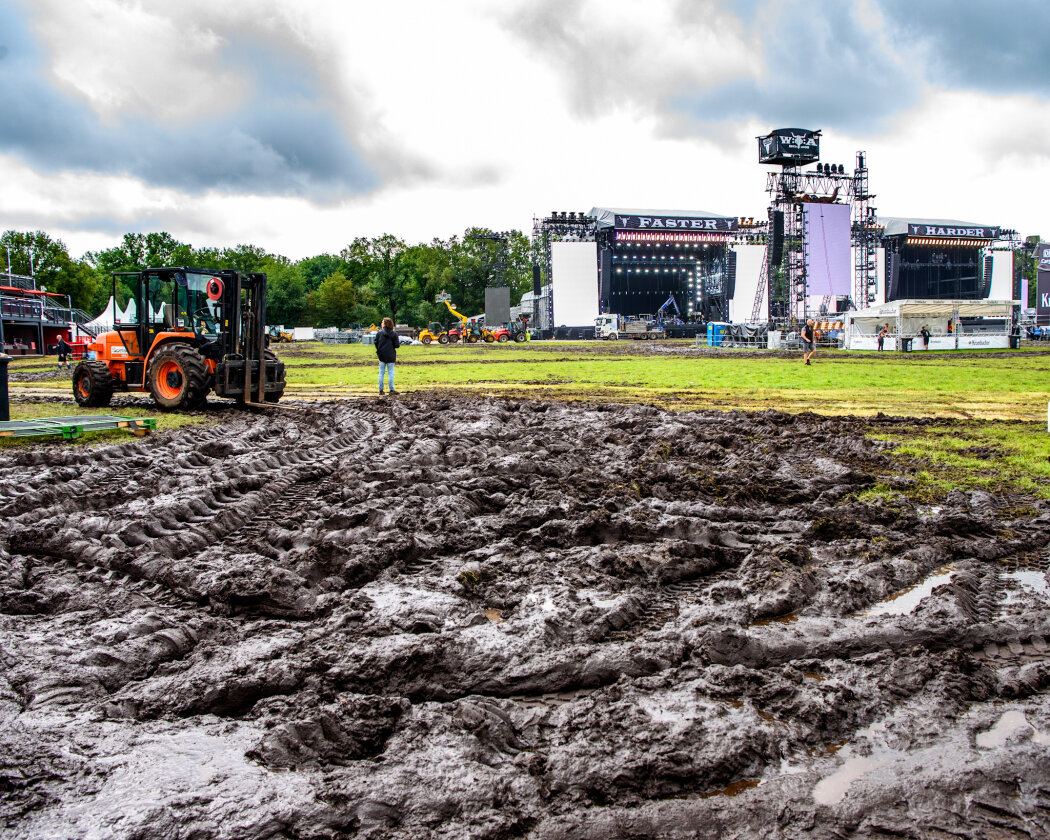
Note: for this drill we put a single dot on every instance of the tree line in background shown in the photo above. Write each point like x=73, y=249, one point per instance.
x=366, y=281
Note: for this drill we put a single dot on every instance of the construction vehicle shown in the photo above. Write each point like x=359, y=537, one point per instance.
x=278, y=335
x=470, y=331
x=194, y=330
x=612, y=327
x=668, y=304
x=434, y=332
x=517, y=330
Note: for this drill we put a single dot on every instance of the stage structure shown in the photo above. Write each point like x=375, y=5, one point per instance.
x=943, y=259
x=804, y=237
x=633, y=262
x=1042, y=287
x=646, y=257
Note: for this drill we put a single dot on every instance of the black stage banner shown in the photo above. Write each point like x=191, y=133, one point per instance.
x=673, y=223
x=1042, y=285
x=789, y=146
x=953, y=232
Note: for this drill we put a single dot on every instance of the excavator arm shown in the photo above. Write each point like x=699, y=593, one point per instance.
x=463, y=318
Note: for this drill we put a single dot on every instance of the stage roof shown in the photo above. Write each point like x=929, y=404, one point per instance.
x=898, y=225
x=606, y=216
x=936, y=309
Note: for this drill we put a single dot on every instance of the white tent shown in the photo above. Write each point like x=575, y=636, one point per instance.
x=952, y=324
x=108, y=317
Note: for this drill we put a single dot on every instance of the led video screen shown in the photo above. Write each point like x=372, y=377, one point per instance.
x=827, y=246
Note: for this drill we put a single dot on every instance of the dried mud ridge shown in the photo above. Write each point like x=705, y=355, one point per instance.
x=466, y=618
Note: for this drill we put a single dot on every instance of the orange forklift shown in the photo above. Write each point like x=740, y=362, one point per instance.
x=193, y=330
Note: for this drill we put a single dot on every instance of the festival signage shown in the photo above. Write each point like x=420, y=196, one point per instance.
x=789, y=146
x=953, y=232
x=1042, y=284
x=674, y=223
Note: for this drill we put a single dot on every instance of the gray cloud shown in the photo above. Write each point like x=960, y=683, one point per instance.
x=819, y=64
x=994, y=47
x=287, y=139
x=822, y=69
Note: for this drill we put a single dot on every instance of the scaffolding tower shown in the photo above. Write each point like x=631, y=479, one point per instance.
x=864, y=230
x=791, y=188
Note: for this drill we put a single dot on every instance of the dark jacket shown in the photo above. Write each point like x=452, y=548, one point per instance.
x=387, y=343
x=63, y=347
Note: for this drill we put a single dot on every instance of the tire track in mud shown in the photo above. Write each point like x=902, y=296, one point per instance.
x=476, y=617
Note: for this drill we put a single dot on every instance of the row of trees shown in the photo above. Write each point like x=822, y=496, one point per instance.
x=367, y=280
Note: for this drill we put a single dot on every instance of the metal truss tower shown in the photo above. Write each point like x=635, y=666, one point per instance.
x=864, y=230
x=789, y=190
x=556, y=227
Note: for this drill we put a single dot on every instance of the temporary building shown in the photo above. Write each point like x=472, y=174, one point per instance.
x=952, y=324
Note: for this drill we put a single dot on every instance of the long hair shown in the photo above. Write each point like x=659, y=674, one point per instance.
x=388, y=323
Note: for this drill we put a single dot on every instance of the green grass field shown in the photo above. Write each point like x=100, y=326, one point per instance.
x=990, y=407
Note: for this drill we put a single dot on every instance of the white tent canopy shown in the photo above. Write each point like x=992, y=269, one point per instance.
x=108, y=317
x=906, y=318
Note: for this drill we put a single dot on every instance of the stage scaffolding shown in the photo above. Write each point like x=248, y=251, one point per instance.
x=557, y=227
x=789, y=189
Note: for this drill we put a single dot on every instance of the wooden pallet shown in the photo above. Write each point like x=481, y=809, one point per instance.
x=70, y=428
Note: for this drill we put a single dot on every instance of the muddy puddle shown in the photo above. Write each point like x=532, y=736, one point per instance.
x=468, y=618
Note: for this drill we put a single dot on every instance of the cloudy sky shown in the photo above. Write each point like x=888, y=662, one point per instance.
x=297, y=125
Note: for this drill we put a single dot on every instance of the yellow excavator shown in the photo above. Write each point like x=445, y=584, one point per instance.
x=470, y=333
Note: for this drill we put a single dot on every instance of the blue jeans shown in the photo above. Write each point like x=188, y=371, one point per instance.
x=383, y=368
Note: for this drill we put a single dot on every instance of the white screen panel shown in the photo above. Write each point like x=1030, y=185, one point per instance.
x=749, y=260
x=574, y=271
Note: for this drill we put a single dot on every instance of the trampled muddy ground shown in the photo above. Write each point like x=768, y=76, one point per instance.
x=466, y=618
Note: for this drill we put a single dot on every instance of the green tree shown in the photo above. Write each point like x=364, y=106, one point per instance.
x=336, y=300
x=285, y=294
x=248, y=258
x=138, y=251
x=389, y=274
x=316, y=269
x=47, y=260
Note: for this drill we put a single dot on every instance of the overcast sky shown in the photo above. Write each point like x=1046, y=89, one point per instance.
x=296, y=125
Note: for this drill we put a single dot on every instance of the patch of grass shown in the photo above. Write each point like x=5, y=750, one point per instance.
x=963, y=385
x=1001, y=456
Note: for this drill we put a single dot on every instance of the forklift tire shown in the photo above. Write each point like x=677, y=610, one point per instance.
x=92, y=385
x=426, y=339
x=177, y=378
x=520, y=337
x=473, y=339
x=273, y=396
x=503, y=338
x=442, y=339
x=489, y=339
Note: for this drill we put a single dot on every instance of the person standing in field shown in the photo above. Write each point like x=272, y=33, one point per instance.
x=882, y=335
x=387, y=343
x=809, y=340
x=925, y=333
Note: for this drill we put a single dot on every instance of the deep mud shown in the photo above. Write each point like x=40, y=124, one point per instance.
x=466, y=618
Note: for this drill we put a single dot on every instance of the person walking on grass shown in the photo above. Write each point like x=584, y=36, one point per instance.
x=387, y=343
x=64, y=352
x=809, y=340
x=882, y=335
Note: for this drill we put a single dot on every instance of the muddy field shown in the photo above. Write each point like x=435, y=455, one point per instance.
x=448, y=618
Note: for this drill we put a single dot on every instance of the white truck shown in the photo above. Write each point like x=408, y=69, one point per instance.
x=613, y=327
